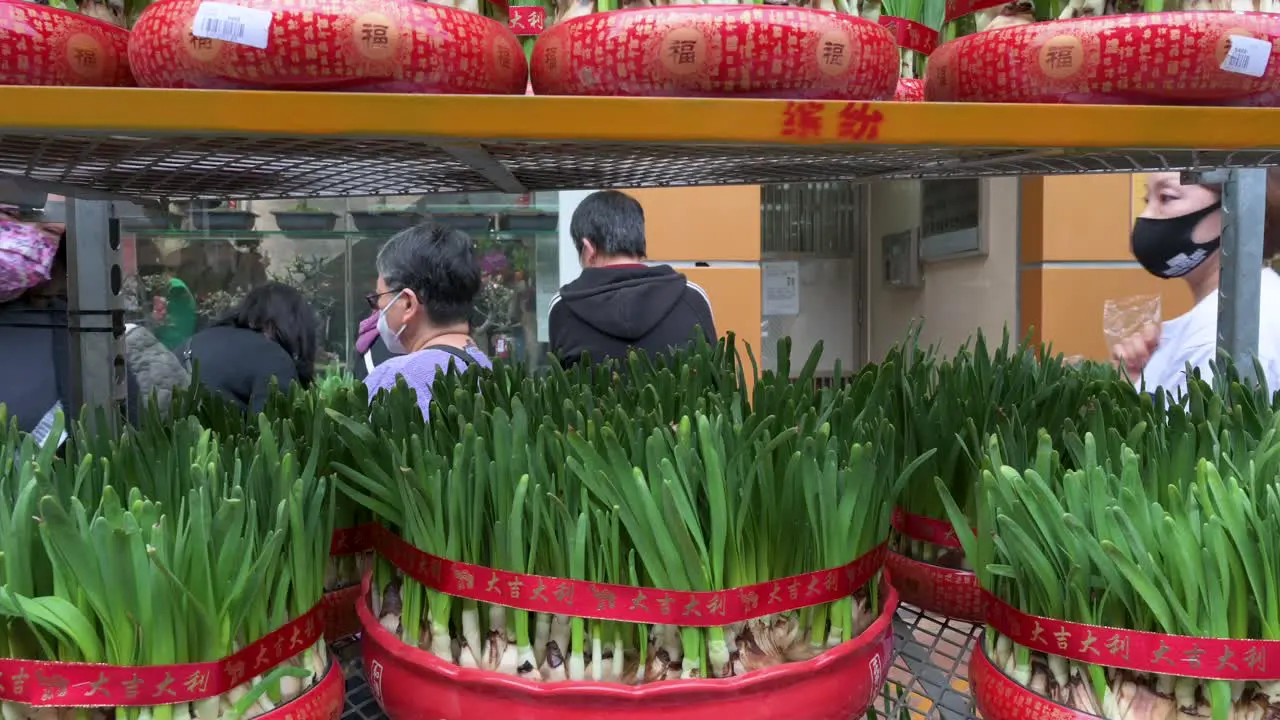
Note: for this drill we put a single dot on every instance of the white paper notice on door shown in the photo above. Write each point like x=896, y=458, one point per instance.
x=781, y=288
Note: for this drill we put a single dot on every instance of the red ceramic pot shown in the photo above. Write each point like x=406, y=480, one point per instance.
x=935, y=589
x=998, y=697
x=46, y=46
x=341, y=620
x=412, y=684
x=909, y=90
x=1174, y=58
x=398, y=46
x=757, y=51
x=324, y=701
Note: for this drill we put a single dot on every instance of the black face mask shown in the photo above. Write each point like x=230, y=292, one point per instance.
x=1165, y=248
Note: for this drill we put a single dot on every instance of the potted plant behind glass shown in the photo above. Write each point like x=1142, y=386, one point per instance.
x=468, y=222
x=188, y=207
x=528, y=220
x=305, y=219
x=137, y=218
x=221, y=219
x=384, y=218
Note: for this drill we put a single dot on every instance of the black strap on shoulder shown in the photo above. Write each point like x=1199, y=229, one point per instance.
x=185, y=356
x=465, y=357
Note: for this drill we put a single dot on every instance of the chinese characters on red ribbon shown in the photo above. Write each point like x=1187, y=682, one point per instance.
x=57, y=684
x=625, y=603
x=911, y=35
x=1198, y=657
x=528, y=19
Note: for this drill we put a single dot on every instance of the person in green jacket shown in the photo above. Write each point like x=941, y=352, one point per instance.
x=176, y=315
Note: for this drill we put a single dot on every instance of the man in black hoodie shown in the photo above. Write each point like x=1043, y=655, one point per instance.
x=618, y=302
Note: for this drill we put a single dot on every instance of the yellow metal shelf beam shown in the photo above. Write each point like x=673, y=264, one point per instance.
x=179, y=143
x=623, y=120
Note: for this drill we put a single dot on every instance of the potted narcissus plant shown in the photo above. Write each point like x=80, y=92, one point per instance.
x=589, y=537
x=1131, y=573
x=1196, y=52
x=222, y=553
x=67, y=42
x=670, y=50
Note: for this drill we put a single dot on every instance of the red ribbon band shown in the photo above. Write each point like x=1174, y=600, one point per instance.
x=352, y=540
x=957, y=9
x=44, y=683
x=911, y=35
x=601, y=601
x=1195, y=657
x=527, y=20
x=918, y=527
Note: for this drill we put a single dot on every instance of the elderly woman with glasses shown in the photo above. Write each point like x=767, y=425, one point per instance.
x=428, y=278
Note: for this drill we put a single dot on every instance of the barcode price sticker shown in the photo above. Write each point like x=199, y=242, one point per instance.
x=232, y=23
x=1247, y=56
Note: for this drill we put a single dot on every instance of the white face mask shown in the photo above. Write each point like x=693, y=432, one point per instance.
x=391, y=338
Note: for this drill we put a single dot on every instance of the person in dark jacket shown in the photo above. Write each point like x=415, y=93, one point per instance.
x=36, y=365
x=272, y=335
x=618, y=302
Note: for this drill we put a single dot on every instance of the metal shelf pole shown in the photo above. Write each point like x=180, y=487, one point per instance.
x=1244, y=215
x=1244, y=202
x=95, y=278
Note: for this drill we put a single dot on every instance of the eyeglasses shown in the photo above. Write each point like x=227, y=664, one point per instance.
x=372, y=298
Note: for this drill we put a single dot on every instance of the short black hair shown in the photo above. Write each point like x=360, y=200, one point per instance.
x=439, y=265
x=613, y=221
x=281, y=313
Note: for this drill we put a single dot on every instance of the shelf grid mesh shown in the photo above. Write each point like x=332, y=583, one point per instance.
x=180, y=167
x=929, y=679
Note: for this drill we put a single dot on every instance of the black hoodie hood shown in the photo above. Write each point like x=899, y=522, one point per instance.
x=624, y=301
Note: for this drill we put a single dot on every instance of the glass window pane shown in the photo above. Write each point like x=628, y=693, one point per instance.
x=328, y=247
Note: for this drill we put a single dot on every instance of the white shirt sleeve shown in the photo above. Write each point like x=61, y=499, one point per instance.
x=1167, y=368
x=1199, y=358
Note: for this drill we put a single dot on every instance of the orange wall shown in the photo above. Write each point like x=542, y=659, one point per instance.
x=735, y=300
x=713, y=224
x=1083, y=218
x=702, y=224
x=1075, y=257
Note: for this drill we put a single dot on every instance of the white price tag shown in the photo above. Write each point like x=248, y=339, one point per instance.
x=232, y=23
x=42, y=431
x=1247, y=56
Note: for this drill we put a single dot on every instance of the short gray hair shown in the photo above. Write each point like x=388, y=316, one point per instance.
x=439, y=265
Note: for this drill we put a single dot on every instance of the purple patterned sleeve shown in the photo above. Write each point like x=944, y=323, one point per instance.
x=419, y=371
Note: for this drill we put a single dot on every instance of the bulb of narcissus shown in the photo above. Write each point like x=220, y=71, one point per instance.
x=109, y=11
x=1010, y=15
